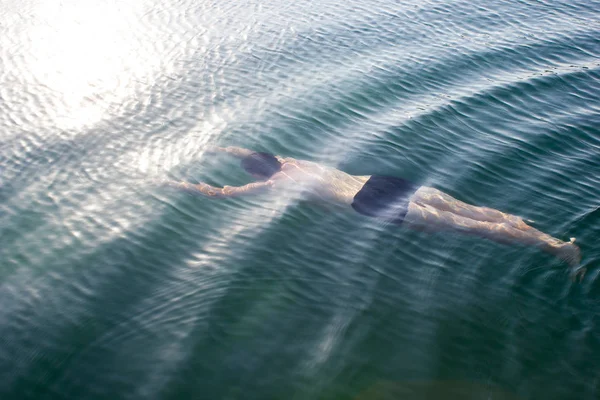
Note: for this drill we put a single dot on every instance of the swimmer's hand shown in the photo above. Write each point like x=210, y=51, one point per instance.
x=239, y=152
x=200, y=188
x=226, y=191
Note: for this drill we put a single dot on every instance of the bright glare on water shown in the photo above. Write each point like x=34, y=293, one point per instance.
x=113, y=287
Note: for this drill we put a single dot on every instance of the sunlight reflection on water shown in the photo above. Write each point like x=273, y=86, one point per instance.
x=87, y=57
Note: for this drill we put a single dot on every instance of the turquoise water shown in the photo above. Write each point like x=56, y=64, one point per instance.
x=113, y=288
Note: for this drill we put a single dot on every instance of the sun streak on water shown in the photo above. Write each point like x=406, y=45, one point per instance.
x=87, y=59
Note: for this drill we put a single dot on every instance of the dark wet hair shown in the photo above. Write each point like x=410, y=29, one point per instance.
x=263, y=164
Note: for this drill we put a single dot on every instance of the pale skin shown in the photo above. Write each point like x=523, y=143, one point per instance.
x=428, y=209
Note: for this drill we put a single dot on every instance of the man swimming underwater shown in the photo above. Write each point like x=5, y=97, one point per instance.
x=389, y=198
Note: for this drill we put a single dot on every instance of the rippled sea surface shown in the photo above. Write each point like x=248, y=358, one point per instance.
x=113, y=288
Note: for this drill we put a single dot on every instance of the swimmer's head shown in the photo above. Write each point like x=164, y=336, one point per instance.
x=261, y=165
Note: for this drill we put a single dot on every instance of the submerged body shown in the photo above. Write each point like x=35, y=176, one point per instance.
x=389, y=198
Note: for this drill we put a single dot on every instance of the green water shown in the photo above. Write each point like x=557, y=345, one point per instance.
x=112, y=287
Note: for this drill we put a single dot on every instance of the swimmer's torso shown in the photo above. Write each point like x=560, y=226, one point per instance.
x=318, y=181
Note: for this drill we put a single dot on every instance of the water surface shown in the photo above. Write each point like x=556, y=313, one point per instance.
x=114, y=288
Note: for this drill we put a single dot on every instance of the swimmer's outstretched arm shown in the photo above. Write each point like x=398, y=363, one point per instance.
x=241, y=152
x=226, y=191
x=238, y=152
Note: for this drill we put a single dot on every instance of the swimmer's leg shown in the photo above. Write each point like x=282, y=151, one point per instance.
x=444, y=202
x=426, y=217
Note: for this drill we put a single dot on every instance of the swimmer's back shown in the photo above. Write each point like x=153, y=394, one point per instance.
x=324, y=182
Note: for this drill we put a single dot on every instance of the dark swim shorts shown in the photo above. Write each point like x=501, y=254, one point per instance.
x=384, y=197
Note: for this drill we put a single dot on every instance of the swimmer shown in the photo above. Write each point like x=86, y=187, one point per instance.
x=392, y=199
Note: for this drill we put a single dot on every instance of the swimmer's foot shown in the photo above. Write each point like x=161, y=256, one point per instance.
x=569, y=252
x=578, y=273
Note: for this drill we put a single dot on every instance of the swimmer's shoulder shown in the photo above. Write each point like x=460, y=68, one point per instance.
x=289, y=162
x=286, y=160
x=281, y=159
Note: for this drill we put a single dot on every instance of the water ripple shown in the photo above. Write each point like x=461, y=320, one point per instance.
x=112, y=286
